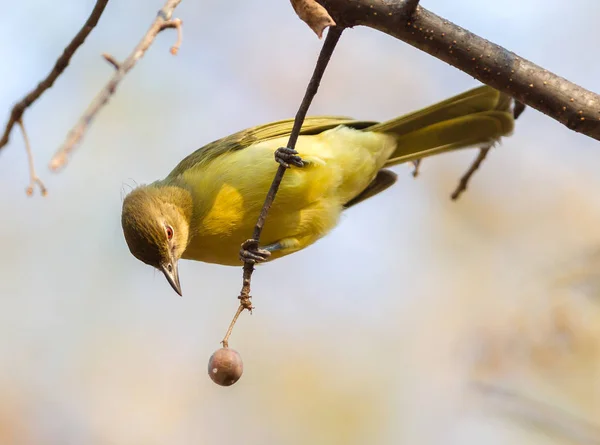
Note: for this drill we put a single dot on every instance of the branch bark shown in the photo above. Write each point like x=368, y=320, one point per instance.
x=571, y=105
x=62, y=62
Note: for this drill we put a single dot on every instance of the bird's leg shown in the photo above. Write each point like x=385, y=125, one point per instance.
x=288, y=156
x=251, y=253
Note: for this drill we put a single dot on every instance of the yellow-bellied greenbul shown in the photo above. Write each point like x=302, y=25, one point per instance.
x=208, y=205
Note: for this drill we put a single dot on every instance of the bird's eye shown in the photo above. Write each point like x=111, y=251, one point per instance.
x=169, y=230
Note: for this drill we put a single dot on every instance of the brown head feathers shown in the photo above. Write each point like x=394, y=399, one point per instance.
x=155, y=221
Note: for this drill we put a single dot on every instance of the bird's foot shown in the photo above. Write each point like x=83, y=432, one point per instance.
x=288, y=156
x=251, y=253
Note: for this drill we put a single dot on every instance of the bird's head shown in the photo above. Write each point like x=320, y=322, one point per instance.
x=156, y=222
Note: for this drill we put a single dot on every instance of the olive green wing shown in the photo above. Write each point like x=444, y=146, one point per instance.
x=245, y=138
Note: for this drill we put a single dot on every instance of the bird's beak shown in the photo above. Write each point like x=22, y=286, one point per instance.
x=172, y=275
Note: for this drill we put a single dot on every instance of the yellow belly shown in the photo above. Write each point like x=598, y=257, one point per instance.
x=229, y=192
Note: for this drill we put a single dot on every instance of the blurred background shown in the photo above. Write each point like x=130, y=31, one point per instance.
x=417, y=320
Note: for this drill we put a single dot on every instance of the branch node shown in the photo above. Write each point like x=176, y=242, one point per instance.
x=177, y=24
x=409, y=7
x=110, y=59
x=518, y=109
x=314, y=15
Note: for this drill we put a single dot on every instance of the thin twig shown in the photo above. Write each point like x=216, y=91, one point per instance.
x=110, y=59
x=175, y=23
x=563, y=422
x=416, y=165
x=333, y=35
x=225, y=341
x=59, y=66
x=162, y=21
x=568, y=103
x=518, y=109
x=464, y=180
x=33, y=177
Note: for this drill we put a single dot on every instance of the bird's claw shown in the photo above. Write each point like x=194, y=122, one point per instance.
x=288, y=156
x=251, y=253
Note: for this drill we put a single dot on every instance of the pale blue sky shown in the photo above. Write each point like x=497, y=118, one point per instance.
x=96, y=348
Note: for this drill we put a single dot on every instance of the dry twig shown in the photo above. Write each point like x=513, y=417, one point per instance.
x=162, y=21
x=61, y=63
x=518, y=109
x=110, y=59
x=177, y=24
x=16, y=114
x=34, y=179
x=550, y=417
x=416, y=166
x=464, y=180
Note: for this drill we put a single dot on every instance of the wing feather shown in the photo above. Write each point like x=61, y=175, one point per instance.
x=245, y=138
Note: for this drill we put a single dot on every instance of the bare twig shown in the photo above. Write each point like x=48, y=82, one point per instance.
x=464, y=180
x=175, y=23
x=570, y=104
x=577, y=429
x=162, y=21
x=33, y=177
x=59, y=66
x=518, y=109
x=241, y=308
x=333, y=35
x=110, y=59
x=416, y=165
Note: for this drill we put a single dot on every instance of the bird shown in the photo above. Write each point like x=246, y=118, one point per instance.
x=207, y=206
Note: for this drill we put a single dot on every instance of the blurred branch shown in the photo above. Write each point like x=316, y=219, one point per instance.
x=518, y=109
x=162, y=22
x=464, y=180
x=547, y=416
x=61, y=63
x=34, y=179
x=416, y=167
x=568, y=103
x=16, y=114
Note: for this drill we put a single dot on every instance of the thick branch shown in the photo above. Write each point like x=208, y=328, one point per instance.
x=162, y=21
x=570, y=104
x=61, y=63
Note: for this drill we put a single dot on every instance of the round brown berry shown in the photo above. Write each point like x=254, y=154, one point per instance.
x=225, y=367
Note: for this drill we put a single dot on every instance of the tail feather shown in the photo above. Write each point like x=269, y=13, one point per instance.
x=480, y=129
x=480, y=116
